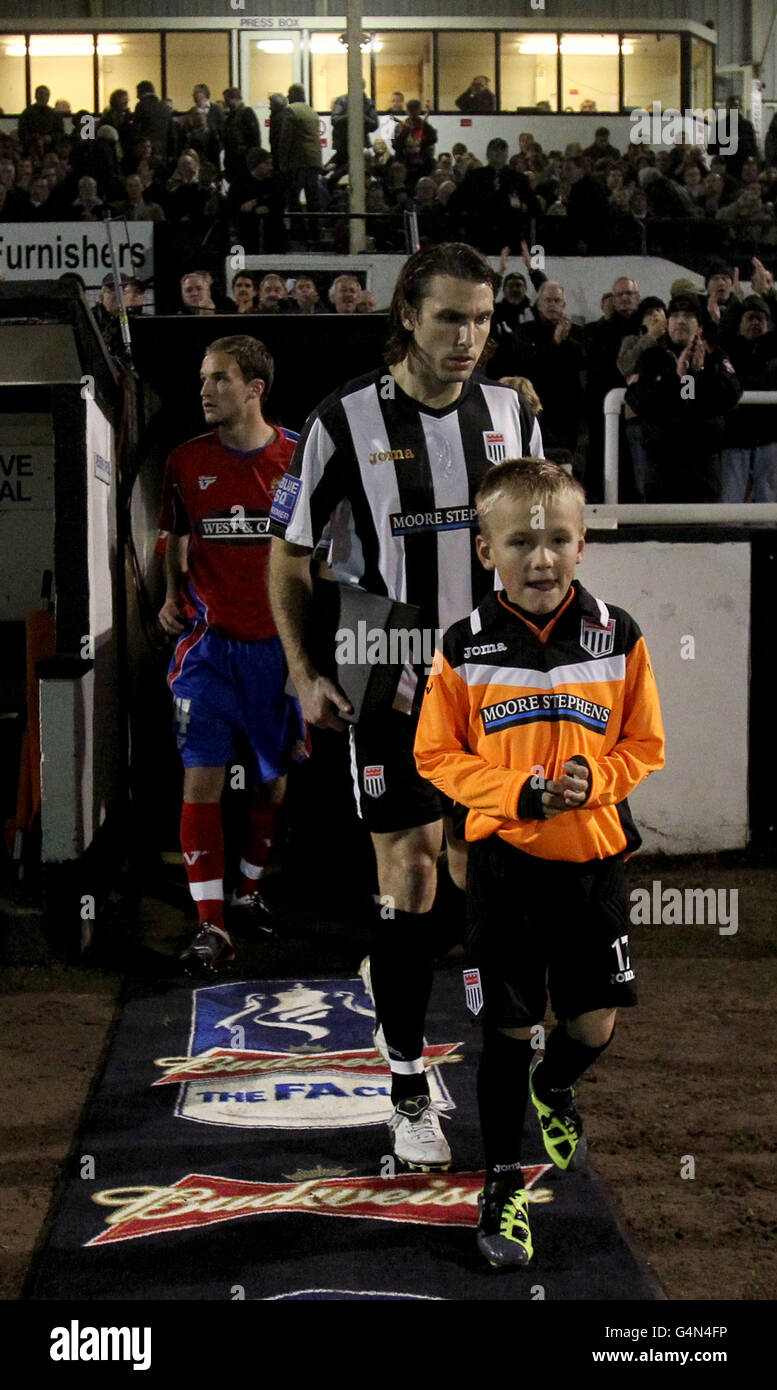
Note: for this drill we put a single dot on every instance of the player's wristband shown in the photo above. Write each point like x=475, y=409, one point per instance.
x=530, y=805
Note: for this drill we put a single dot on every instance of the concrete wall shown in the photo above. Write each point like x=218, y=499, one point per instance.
x=79, y=716
x=675, y=591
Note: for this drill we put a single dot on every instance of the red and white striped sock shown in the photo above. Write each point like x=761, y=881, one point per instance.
x=262, y=827
x=202, y=842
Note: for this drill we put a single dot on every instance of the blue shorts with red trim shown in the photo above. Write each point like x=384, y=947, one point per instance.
x=224, y=690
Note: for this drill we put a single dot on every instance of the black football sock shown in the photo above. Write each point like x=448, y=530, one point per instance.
x=503, y=1091
x=565, y=1060
x=401, y=972
x=449, y=914
x=407, y=1087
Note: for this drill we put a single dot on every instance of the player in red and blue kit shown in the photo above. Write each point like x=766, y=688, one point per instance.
x=228, y=672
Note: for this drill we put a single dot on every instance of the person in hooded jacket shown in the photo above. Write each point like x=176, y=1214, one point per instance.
x=749, y=454
x=681, y=392
x=548, y=351
x=515, y=307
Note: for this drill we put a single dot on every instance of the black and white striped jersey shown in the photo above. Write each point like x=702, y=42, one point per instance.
x=393, y=483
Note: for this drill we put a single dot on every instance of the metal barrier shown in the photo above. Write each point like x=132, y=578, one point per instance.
x=672, y=511
x=405, y=222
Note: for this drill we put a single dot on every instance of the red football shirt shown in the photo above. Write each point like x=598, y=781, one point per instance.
x=221, y=498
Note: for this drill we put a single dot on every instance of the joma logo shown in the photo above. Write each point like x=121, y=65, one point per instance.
x=391, y=455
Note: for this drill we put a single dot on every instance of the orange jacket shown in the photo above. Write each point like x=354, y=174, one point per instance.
x=508, y=704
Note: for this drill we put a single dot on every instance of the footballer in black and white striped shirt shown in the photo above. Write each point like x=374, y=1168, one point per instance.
x=388, y=467
x=394, y=479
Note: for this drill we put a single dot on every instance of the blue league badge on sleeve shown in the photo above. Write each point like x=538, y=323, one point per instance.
x=285, y=499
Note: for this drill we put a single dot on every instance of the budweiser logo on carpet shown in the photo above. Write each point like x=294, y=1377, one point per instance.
x=218, y=1061
x=201, y=1200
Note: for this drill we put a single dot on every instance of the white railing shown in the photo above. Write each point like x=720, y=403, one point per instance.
x=635, y=512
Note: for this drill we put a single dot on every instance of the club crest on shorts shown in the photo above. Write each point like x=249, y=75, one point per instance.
x=473, y=991
x=495, y=447
x=597, y=640
x=374, y=779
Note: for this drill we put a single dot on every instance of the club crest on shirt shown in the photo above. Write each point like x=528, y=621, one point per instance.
x=597, y=640
x=495, y=447
x=205, y=482
x=473, y=990
x=374, y=780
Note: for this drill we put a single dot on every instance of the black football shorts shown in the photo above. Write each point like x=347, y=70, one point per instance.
x=390, y=794
x=534, y=924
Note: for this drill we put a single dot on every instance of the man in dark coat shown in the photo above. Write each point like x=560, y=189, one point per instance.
x=493, y=204
x=601, y=148
x=681, y=394
x=750, y=438
x=588, y=209
x=722, y=306
x=340, y=125
x=40, y=119
x=153, y=119
x=117, y=113
x=739, y=140
x=549, y=352
x=603, y=343
x=214, y=115
x=257, y=205
x=241, y=133
x=278, y=105
x=515, y=307
x=478, y=100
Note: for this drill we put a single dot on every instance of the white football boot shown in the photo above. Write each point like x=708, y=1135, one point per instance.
x=416, y=1134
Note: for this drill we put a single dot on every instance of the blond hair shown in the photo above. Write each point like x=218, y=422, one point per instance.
x=527, y=480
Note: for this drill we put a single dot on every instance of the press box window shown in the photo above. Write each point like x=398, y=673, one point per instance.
x=589, y=72
x=12, y=52
x=193, y=58
x=124, y=60
x=270, y=68
x=651, y=70
x=528, y=70
x=701, y=74
x=403, y=63
x=65, y=64
x=329, y=69
x=462, y=55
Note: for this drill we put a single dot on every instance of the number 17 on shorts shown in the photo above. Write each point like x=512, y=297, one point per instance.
x=624, y=972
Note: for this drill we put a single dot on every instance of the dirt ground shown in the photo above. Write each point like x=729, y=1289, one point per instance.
x=680, y=1111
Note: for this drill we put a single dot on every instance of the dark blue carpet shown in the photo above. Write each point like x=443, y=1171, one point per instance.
x=236, y=1148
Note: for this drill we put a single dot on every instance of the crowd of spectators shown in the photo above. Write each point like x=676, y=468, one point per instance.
x=684, y=365
x=206, y=174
